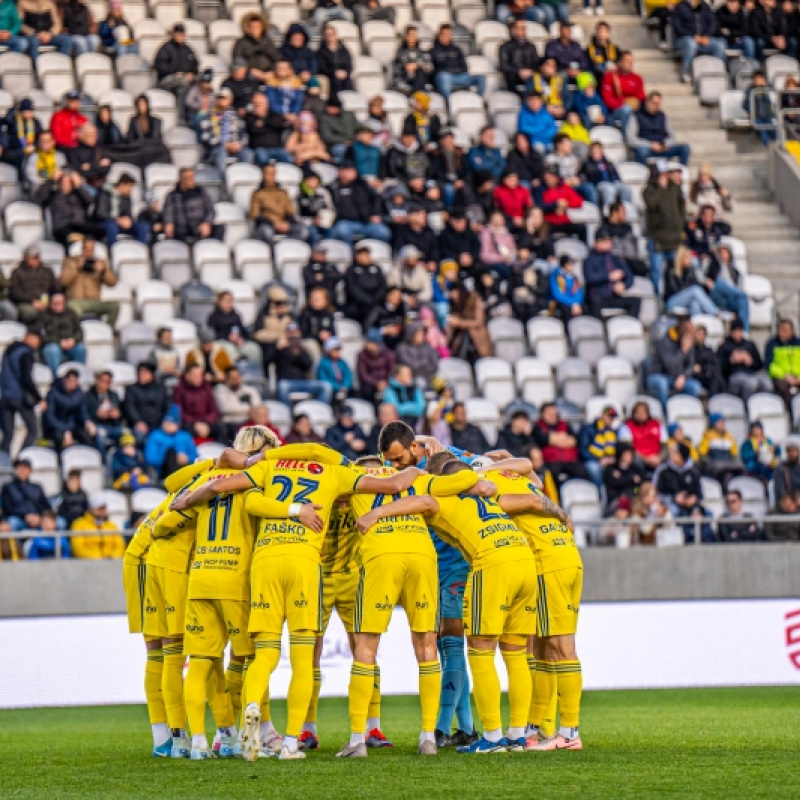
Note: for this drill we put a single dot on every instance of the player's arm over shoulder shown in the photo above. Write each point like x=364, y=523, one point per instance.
x=533, y=503
x=394, y=484
x=172, y=521
x=413, y=504
x=305, y=452
x=445, y=485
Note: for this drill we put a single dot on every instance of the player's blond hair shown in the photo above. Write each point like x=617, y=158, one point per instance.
x=253, y=439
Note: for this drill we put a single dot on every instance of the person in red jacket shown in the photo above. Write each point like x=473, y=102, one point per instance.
x=195, y=399
x=558, y=444
x=374, y=365
x=512, y=198
x=557, y=198
x=622, y=90
x=646, y=435
x=67, y=121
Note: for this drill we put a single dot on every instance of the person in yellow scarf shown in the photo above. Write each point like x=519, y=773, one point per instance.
x=421, y=122
x=23, y=130
x=45, y=162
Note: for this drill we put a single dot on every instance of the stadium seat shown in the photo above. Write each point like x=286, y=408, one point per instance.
x=244, y=299
x=715, y=331
x=184, y=147
x=212, y=262
x=99, y=340
x=131, y=261
x=534, y=379
x=495, y=380
x=154, y=301
x=320, y=415
x=575, y=381
x=712, y=496
x=596, y=404
x=734, y=411
x=547, y=339
x=508, y=338
x=143, y=501
x=710, y=78
x=626, y=338
x=17, y=72
x=458, y=373
x=732, y=115
x=210, y=450
x=581, y=500
x=656, y=411
x=761, y=302
x=55, y=74
x=280, y=416
x=768, y=409
x=688, y=411
x=233, y=219
x=137, y=340
x=24, y=222
x=95, y=74
x=588, y=338
x=615, y=378
x=172, y=262
x=754, y=496
x=484, y=413
x=88, y=461
x=363, y=413
x=253, y=262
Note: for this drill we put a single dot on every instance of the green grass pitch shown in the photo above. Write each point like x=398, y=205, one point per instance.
x=698, y=743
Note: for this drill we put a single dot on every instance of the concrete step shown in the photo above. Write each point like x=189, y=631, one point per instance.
x=772, y=247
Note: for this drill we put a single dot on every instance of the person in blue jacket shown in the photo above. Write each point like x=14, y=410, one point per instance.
x=346, y=435
x=404, y=394
x=334, y=370
x=485, y=156
x=295, y=48
x=537, y=123
x=607, y=277
x=587, y=101
x=566, y=290
x=167, y=448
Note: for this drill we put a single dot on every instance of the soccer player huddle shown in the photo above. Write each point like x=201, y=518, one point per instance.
x=269, y=535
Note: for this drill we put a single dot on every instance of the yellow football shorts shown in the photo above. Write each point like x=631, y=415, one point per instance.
x=285, y=588
x=409, y=580
x=339, y=592
x=211, y=624
x=559, y=602
x=501, y=598
x=133, y=582
x=165, y=602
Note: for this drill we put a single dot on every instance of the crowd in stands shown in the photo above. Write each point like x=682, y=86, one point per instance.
x=414, y=238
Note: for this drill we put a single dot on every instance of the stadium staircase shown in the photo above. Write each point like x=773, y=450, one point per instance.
x=739, y=161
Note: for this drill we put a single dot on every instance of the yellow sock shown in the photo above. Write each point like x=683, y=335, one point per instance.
x=311, y=715
x=375, y=701
x=194, y=693
x=218, y=698
x=301, y=686
x=519, y=687
x=485, y=687
x=153, y=671
x=362, y=684
x=256, y=680
x=234, y=678
x=570, y=686
x=172, y=686
x=544, y=690
x=430, y=687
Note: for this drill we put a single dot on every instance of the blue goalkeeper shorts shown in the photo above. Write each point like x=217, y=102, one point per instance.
x=452, y=582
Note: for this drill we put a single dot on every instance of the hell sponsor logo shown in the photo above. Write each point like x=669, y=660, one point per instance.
x=303, y=466
x=792, y=619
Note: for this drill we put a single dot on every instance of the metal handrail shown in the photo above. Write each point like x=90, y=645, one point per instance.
x=782, y=114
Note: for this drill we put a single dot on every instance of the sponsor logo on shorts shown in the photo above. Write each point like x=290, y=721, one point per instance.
x=457, y=588
x=422, y=604
x=149, y=608
x=385, y=605
x=259, y=603
x=195, y=628
x=505, y=608
x=232, y=630
x=170, y=609
x=302, y=602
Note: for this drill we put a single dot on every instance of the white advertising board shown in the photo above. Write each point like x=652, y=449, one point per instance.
x=92, y=660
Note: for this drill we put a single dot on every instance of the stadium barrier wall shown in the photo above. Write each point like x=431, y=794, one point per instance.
x=93, y=660
x=74, y=587
x=784, y=181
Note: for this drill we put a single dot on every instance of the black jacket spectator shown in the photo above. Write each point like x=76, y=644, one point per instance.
x=72, y=505
x=694, y=20
x=21, y=498
x=292, y=363
x=388, y=315
x=728, y=348
x=223, y=323
x=703, y=238
x=106, y=202
x=448, y=58
x=672, y=479
x=741, y=529
x=321, y=273
x=355, y=201
x=469, y=437
x=266, y=131
x=621, y=480
x=669, y=358
x=733, y=25
x=335, y=438
x=365, y=285
x=187, y=209
x=514, y=55
x=18, y=389
x=592, y=171
x=314, y=322
x=529, y=166
x=518, y=444
x=424, y=239
x=766, y=23
x=787, y=474
x=147, y=403
x=454, y=244
x=329, y=62
x=173, y=57
x=148, y=129
x=69, y=210
x=449, y=166
x=65, y=413
x=597, y=271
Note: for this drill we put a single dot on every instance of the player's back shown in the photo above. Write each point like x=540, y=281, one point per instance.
x=142, y=540
x=551, y=540
x=342, y=539
x=480, y=529
x=407, y=533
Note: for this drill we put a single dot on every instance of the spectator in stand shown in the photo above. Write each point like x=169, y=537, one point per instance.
x=465, y=435
x=678, y=436
x=550, y=84
x=759, y=454
x=450, y=65
x=73, y=502
x=587, y=102
x=22, y=131
x=128, y=467
x=273, y=320
x=498, y=248
x=681, y=289
x=704, y=233
x=328, y=10
x=302, y=432
x=666, y=214
x=566, y=290
x=104, y=409
x=62, y=334
x=517, y=436
x=83, y=277
x=80, y=27
x=166, y=357
x=787, y=473
x=285, y=91
x=386, y=414
x=365, y=155
x=335, y=61
x=365, y=285
x=723, y=281
x=468, y=335
x=535, y=242
x=706, y=369
x=569, y=166
x=357, y=208
x=31, y=285
x=68, y=199
x=485, y=157
x=536, y=122
x=624, y=477
x=23, y=501
x=189, y=211
x=222, y=133
x=405, y=395
x=211, y=356
x=114, y=209
x=418, y=234
x=374, y=366
x=719, y=451
x=646, y=435
x=417, y=354
x=345, y=435
x=458, y=241
x=513, y=199
x=708, y=191
x=782, y=359
x=87, y=158
x=512, y=10
x=42, y=27
x=558, y=444
x=740, y=364
x=265, y=129
x=623, y=242
x=568, y=54
x=422, y=121
x=412, y=66
x=601, y=50
x=607, y=277
x=597, y=444
x=759, y=105
x=672, y=364
x=553, y=10
x=316, y=319
x=518, y=58
x=295, y=48
x=200, y=98
x=696, y=33
x=770, y=29
x=321, y=273
x=235, y=401
x=260, y=415
x=272, y=210
x=334, y=371
x=175, y=63
x=195, y=400
x=599, y=172
x=649, y=134
x=227, y=325
x=784, y=531
x=337, y=129
x=292, y=366
x=10, y=28
x=65, y=420
x=18, y=389
x=622, y=90
x=67, y=121
x=734, y=26
x=116, y=35
x=168, y=447
x=256, y=46
x=556, y=199
x=146, y=401
x=738, y=526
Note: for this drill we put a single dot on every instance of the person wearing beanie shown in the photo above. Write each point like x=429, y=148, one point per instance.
x=676, y=435
x=128, y=467
x=334, y=371
x=168, y=448
x=588, y=102
x=719, y=451
x=566, y=290
x=424, y=124
x=741, y=365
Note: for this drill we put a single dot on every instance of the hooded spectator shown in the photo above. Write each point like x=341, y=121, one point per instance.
x=65, y=420
x=374, y=365
x=195, y=400
x=256, y=47
x=145, y=402
x=168, y=446
x=295, y=48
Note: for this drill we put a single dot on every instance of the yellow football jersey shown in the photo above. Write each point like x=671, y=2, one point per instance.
x=306, y=452
x=407, y=533
x=294, y=481
x=550, y=539
x=342, y=539
x=480, y=529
